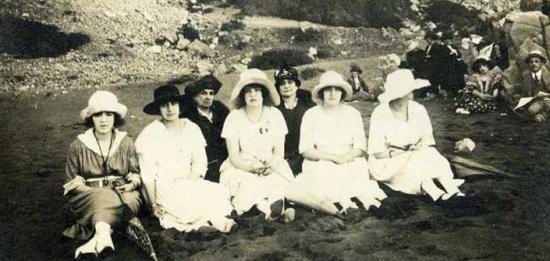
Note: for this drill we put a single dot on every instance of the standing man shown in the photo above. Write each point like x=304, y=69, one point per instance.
x=535, y=83
x=295, y=102
x=210, y=115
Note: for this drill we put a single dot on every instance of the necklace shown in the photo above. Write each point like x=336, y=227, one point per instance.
x=104, y=159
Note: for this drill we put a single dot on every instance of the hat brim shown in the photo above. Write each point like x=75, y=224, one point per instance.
x=118, y=108
x=345, y=86
x=529, y=56
x=273, y=94
x=153, y=108
x=388, y=96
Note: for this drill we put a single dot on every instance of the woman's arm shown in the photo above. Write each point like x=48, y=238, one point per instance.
x=74, y=180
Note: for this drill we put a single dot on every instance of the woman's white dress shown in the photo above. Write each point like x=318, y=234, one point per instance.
x=407, y=171
x=256, y=141
x=177, y=165
x=337, y=132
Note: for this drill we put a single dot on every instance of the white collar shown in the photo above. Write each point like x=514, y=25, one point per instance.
x=538, y=74
x=208, y=115
x=90, y=141
x=291, y=106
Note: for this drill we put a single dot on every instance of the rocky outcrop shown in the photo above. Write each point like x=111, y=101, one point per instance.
x=525, y=31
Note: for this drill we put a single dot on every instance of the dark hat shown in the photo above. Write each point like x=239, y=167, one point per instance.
x=206, y=82
x=162, y=94
x=355, y=68
x=286, y=72
x=482, y=61
x=535, y=53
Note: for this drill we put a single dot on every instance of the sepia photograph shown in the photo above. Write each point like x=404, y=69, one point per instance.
x=274, y=130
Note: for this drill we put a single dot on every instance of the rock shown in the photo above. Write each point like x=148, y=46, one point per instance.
x=337, y=41
x=154, y=49
x=198, y=48
x=204, y=67
x=23, y=88
x=246, y=60
x=237, y=68
x=221, y=69
x=312, y=53
x=182, y=44
x=525, y=31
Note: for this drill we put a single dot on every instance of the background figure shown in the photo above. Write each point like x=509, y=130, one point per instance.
x=482, y=88
x=295, y=102
x=173, y=164
x=333, y=143
x=256, y=172
x=361, y=92
x=536, y=84
x=445, y=65
x=400, y=143
x=102, y=175
x=210, y=115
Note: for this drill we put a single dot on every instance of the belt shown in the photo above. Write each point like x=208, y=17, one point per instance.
x=107, y=181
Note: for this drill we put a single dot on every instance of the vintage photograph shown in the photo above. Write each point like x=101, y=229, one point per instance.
x=274, y=130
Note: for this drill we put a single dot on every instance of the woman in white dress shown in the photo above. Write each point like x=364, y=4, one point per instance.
x=333, y=143
x=255, y=171
x=400, y=147
x=173, y=163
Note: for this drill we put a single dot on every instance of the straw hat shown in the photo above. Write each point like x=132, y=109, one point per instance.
x=102, y=101
x=399, y=84
x=255, y=76
x=161, y=95
x=331, y=78
x=535, y=53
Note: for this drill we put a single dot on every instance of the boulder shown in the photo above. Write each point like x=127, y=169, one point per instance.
x=182, y=44
x=198, y=48
x=525, y=31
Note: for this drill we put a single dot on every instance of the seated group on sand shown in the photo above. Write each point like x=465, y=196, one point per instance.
x=198, y=164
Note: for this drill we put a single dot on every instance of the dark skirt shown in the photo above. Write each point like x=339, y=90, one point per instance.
x=100, y=204
x=467, y=100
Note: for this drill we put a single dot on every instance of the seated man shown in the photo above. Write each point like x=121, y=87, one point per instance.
x=361, y=91
x=536, y=84
x=295, y=103
x=210, y=115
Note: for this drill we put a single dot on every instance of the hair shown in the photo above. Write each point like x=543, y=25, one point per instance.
x=322, y=95
x=266, y=100
x=480, y=62
x=279, y=82
x=119, y=121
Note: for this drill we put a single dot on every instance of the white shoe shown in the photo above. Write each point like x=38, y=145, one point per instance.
x=87, y=248
x=288, y=215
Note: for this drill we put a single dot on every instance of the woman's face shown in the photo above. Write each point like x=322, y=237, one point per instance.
x=332, y=96
x=288, y=88
x=103, y=122
x=253, y=96
x=170, y=111
x=483, y=69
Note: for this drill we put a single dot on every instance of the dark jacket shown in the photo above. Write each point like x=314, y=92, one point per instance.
x=293, y=119
x=215, y=144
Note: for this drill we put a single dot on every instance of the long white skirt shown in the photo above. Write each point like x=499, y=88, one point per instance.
x=407, y=171
x=191, y=204
x=249, y=190
x=339, y=182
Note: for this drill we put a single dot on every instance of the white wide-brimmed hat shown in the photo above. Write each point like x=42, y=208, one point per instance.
x=103, y=101
x=331, y=78
x=399, y=84
x=255, y=76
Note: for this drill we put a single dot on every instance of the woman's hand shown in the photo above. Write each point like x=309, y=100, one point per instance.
x=128, y=187
x=157, y=211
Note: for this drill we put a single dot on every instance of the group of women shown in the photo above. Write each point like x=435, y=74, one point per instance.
x=105, y=170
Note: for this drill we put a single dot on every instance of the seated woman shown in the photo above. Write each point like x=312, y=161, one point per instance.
x=255, y=171
x=102, y=176
x=400, y=143
x=482, y=88
x=173, y=164
x=333, y=143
